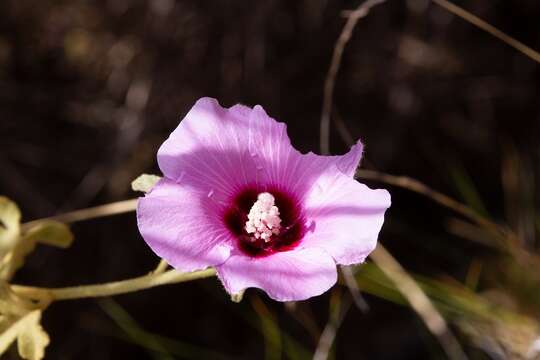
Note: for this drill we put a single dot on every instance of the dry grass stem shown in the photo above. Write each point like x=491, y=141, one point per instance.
x=418, y=301
x=328, y=336
x=352, y=285
x=475, y=20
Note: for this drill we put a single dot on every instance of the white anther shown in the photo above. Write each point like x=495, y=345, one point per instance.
x=263, y=218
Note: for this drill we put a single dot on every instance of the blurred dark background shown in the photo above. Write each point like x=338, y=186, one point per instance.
x=90, y=89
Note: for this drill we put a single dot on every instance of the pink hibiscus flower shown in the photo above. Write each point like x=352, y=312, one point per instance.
x=237, y=196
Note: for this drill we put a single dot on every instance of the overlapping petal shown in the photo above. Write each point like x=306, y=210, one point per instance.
x=183, y=227
x=220, y=150
x=285, y=276
x=345, y=217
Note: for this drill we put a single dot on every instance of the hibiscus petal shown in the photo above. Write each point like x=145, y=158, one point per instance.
x=285, y=276
x=346, y=163
x=183, y=227
x=220, y=150
x=345, y=217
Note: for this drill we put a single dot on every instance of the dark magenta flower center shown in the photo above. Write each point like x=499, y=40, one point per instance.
x=292, y=227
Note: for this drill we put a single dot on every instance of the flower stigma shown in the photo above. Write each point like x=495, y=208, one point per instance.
x=263, y=218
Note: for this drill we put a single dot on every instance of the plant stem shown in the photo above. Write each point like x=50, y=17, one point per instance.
x=112, y=288
x=110, y=209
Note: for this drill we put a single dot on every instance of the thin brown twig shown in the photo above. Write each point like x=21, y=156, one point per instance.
x=475, y=20
x=342, y=129
x=360, y=12
x=352, y=285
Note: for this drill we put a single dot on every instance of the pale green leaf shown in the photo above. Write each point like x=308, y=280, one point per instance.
x=10, y=218
x=32, y=339
x=50, y=232
x=46, y=232
x=15, y=259
x=10, y=334
x=145, y=182
x=30, y=336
